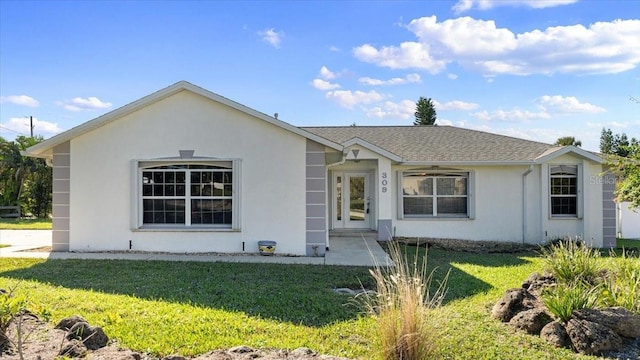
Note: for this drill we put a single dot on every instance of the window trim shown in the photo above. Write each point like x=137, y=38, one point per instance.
x=436, y=173
x=139, y=166
x=578, y=195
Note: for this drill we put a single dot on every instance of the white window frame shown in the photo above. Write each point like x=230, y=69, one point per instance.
x=140, y=166
x=435, y=174
x=577, y=196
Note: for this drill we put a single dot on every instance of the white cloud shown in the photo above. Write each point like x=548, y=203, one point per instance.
x=452, y=76
x=389, y=110
x=327, y=74
x=334, y=48
x=465, y=5
x=410, y=78
x=445, y=122
x=515, y=115
x=482, y=46
x=407, y=55
x=21, y=125
x=324, y=85
x=79, y=104
x=23, y=100
x=455, y=105
x=348, y=98
x=569, y=104
x=272, y=37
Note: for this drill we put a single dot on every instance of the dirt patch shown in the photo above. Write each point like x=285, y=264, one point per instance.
x=42, y=341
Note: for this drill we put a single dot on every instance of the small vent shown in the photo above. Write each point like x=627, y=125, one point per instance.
x=186, y=154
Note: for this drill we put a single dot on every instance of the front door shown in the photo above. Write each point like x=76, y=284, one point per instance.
x=352, y=202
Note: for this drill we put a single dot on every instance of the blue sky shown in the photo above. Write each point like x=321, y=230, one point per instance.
x=533, y=69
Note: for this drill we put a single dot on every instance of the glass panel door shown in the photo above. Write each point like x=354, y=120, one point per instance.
x=357, y=198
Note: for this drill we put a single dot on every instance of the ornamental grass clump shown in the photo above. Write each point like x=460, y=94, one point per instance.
x=621, y=284
x=572, y=262
x=401, y=305
x=563, y=300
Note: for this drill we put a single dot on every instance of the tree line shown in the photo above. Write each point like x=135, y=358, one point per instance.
x=24, y=181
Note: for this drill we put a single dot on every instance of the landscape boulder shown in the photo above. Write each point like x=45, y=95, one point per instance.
x=537, y=282
x=532, y=321
x=73, y=349
x=512, y=302
x=622, y=321
x=93, y=337
x=591, y=338
x=67, y=323
x=555, y=334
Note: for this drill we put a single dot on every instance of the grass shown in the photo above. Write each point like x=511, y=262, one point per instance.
x=191, y=308
x=627, y=243
x=25, y=224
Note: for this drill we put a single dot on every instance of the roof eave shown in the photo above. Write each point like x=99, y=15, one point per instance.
x=546, y=157
x=44, y=148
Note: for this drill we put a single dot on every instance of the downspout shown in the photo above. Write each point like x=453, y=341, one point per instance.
x=524, y=202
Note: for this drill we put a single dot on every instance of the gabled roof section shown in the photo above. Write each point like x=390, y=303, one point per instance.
x=556, y=151
x=44, y=148
x=435, y=145
x=374, y=148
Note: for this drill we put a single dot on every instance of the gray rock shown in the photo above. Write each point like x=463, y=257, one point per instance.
x=93, y=337
x=344, y=291
x=74, y=349
x=531, y=321
x=175, y=357
x=622, y=321
x=66, y=323
x=555, y=334
x=591, y=338
x=537, y=282
x=242, y=349
x=302, y=351
x=512, y=302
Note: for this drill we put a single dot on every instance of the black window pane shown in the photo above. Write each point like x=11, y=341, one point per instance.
x=180, y=178
x=180, y=190
x=452, y=205
x=157, y=177
x=418, y=206
x=147, y=190
x=195, y=177
x=169, y=177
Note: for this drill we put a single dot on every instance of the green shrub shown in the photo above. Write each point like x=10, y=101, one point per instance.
x=562, y=300
x=622, y=283
x=401, y=306
x=572, y=262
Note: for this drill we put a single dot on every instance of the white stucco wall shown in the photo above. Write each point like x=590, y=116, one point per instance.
x=589, y=225
x=498, y=209
x=628, y=224
x=272, y=177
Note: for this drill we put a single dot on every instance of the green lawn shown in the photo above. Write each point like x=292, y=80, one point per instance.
x=191, y=308
x=25, y=224
x=628, y=243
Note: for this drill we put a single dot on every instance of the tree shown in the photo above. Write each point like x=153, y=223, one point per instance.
x=568, y=141
x=425, y=112
x=24, y=181
x=623, y=160
x=615, y=144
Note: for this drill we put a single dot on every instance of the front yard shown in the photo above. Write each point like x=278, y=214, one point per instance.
x=165, y=308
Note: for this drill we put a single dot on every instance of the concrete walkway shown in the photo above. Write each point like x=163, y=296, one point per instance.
x=349, y=251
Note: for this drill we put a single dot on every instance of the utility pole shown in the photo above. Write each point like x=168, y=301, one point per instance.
x=31, y=125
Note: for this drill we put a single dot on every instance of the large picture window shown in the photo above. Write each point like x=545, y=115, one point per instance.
x=434, y=194
x=187, y=194
x=564, y=190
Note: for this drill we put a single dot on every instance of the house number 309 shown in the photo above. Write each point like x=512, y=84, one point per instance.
x=384, y=182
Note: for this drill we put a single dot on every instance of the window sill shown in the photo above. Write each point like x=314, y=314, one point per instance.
x=564, y=217
x=184, y=229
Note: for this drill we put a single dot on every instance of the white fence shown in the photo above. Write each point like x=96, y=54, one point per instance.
x=628, y=221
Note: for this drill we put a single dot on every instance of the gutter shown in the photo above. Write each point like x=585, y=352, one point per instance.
x=524, y=202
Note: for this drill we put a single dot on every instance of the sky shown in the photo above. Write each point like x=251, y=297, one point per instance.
x=533, y=69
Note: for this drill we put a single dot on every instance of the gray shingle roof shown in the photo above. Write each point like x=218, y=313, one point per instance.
x=438, y=143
